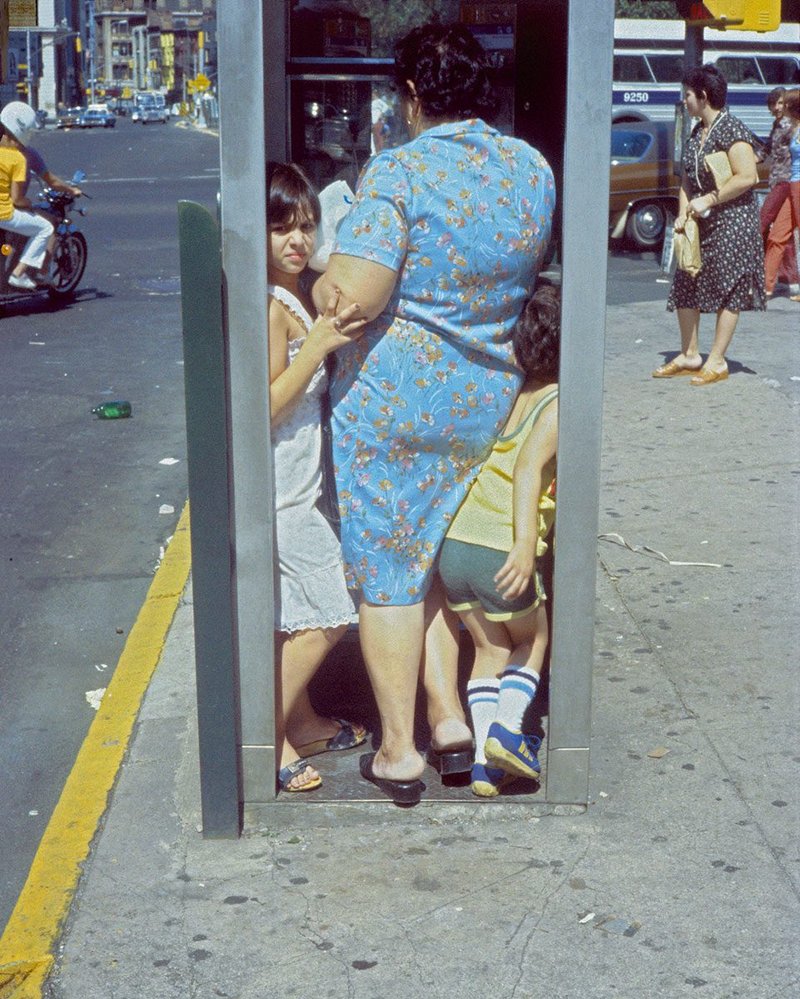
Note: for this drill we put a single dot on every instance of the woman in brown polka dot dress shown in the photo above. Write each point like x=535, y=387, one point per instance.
x=731, y=279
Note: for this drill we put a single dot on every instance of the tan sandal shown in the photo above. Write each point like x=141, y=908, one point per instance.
x=705, y=376
x=672, y=370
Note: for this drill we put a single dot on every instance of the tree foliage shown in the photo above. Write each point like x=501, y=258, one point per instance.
x=390, y=21
x=661, y=10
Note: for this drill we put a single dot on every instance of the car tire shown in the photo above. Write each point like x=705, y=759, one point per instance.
x=647, y=224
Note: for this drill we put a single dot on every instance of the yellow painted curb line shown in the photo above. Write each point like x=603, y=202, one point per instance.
x=26, y=947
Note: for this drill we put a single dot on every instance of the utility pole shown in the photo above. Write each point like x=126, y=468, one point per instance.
x=28, y=74
x=92, y=47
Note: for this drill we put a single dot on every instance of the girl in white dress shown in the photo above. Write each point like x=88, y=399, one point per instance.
x=313, y=607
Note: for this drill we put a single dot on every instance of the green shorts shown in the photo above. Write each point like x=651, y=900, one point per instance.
x=468, y=572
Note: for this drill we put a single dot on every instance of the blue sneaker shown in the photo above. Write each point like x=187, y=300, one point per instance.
x=512, y=752
x=486, y=782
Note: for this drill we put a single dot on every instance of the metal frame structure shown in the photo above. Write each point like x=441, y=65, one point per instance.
x=253, y=117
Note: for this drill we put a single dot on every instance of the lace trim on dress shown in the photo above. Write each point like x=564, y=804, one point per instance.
x=292, y=305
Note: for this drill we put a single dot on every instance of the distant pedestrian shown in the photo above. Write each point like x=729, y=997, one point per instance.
x=313, y=605
x=731, y=279
x=784, y=230
x=776, y=213
x=488, y=559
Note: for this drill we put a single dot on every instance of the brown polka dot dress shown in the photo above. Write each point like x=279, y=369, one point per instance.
x=731, y=250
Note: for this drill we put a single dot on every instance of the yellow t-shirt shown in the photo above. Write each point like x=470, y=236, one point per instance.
x=486, y=517
x=12, y=168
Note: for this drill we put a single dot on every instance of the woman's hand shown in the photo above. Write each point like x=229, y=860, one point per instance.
x=332, y=331
x=513, y=578
x=680, y=223
x=699, y=206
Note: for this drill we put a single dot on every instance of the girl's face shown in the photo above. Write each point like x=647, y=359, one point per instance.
x=694, y=104
x=290, y=245
x=777, y=108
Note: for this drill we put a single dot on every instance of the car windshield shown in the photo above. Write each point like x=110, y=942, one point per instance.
x=629, y=145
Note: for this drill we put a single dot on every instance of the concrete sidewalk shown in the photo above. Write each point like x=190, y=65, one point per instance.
x=681, y=878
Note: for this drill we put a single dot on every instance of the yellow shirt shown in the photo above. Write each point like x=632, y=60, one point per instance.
x=12, y=168
x=486, y=517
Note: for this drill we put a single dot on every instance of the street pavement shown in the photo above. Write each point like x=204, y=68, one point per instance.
x=681, y=876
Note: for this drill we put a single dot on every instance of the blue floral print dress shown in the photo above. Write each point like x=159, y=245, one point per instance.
x=462, y=214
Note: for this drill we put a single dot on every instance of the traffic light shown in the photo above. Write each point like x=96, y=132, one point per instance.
x=744, y=15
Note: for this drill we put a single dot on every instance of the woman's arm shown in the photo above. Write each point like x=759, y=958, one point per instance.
x=744, y=176
x=18, y=199
x=329, y=332
x=539, y=448
x=356, y=280
x=683, y=203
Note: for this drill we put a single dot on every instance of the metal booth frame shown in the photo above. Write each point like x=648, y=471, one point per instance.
x=233, y=578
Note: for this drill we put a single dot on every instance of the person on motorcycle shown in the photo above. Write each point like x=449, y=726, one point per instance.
x=38, y=168
x=17, y=124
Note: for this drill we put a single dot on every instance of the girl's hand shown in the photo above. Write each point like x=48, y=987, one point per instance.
x=330, y=332
x=513, y=578
x=680, y=223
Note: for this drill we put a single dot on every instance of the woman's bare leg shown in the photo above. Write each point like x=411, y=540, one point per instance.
x=445, y=711
x=723, y=334
x=391, y=641
x=689, y=325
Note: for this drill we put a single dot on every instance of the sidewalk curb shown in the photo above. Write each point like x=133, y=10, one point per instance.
x=26, y=946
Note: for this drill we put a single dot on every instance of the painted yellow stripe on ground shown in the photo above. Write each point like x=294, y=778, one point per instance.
x=26, y=947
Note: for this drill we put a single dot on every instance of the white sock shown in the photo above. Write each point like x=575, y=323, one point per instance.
x=482, y=701
x=517, y=689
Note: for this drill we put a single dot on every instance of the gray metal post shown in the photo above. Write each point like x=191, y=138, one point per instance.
x=248, y=93
x=585, y=235
x=210, y=495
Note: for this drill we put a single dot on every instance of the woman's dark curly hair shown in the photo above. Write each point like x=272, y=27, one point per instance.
x=448, y=68
x=290, y=194
x=537, y=334
x=707, y=81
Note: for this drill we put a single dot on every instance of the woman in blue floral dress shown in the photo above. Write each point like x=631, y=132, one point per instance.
x=440, y=251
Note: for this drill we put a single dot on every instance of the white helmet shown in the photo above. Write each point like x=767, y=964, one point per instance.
x=20, y=120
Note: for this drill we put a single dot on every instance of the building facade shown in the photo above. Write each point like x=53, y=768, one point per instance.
x=62, y=53
x=151, y=45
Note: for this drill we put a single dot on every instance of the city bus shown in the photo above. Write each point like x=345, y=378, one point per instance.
x=648, y=65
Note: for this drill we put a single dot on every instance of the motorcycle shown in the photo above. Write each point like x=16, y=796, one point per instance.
x=69, y=253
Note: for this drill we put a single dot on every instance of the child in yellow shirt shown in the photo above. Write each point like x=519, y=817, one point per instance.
x=488, y=559
x=17, y=122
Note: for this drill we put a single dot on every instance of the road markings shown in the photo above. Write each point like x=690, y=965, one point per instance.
x=27, y=945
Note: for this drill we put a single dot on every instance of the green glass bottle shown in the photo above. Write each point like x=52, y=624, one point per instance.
x=112, y=410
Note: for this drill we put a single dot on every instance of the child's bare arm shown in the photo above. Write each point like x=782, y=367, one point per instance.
x=535, y=453
x=329, y=332
x=18, y=198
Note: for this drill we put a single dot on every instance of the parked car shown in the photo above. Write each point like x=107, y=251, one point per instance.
x=69, y=118
x=643, y=199
x=150, y=113
x=644, y=189
x=96, y=118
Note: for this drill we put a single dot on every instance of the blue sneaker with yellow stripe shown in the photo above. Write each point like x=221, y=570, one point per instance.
x=513, y=752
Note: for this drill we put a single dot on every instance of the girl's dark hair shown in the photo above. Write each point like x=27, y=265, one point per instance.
x=774, y=96
x=537, y=334
x=791, y=103
x=707, y=81
x=448, y=68
x=290, y=193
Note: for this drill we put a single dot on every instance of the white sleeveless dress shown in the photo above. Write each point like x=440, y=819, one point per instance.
x=311, y=590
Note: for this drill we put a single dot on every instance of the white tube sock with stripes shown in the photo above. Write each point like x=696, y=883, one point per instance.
x=517, y=689
x=482, y=701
